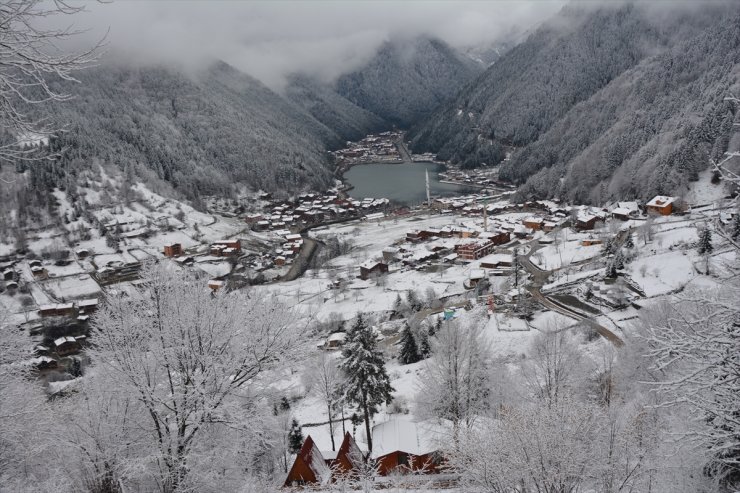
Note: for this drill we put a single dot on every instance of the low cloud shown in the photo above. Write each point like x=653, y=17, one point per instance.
x=270, y=40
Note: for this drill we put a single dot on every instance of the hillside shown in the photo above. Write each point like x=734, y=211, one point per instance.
x=407, y=79
x=200, y=132
x=596, y=94
x=346, y=119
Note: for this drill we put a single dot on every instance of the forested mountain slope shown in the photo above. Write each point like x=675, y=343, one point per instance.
x=200, y=132
x=407, y=79
x=346, y=119
x=616, y=102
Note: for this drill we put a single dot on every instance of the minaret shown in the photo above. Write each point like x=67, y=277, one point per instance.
x=429, y=198
x=485, y=216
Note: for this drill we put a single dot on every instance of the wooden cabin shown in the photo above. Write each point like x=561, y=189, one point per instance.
x=309, y=467
x=404, y=446
x=371, y=268
x=349, y=458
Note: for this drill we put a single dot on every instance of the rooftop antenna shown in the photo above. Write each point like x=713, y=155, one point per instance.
x=429, y=199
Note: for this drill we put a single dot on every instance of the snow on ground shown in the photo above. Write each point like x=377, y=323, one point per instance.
x=73, y=287
x=556, y=256
x=704, y=191
x=662, y=273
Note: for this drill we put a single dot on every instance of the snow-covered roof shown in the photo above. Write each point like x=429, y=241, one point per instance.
x=337, y=336
x=58, y=342
x=622, y=211
x=661, y=201
x=369, y=264
x=477, y=274
x=405, y=436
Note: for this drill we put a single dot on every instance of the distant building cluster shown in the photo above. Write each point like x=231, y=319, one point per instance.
x=371, y=149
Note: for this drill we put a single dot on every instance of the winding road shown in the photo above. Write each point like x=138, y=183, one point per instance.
x=539, y=277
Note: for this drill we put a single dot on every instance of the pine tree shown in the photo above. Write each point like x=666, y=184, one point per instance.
x=618, y=260
x=705, y=246
x=629, y=242
x=413, y=300
x=368, y=385
x=409, y=352
x=398, y=304
x=424, y=347
x=295, y=437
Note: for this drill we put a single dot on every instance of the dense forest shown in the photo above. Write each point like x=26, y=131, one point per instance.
x=407, y=79
x=609, y=102
x=200, y=132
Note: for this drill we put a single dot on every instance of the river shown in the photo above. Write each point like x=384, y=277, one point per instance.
x=404, y=183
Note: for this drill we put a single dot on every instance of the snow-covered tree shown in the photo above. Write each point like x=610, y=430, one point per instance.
x=193, y=362
x=367, y=384
x=629, y=242
x=29, y=61
x=552, y=368
x=409, y=351
x=295, y=437
x=704, y=246
x=324, y=378
x=568, y=447
x=694, y=344
x=455, y=381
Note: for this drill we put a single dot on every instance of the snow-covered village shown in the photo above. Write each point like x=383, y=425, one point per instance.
x=442, y=267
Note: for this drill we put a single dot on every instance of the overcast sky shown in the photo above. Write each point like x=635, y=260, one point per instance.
x=269, y=39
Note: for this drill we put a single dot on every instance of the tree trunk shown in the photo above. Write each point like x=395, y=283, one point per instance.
x=367, y=425
x=331, y=428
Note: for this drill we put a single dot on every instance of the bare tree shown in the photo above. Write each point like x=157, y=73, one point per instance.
x=29, y=59
x=551, y=369
x=325, y=378
x=567, y=447
x=454, y=384
x=694, y=344
x=194, y=362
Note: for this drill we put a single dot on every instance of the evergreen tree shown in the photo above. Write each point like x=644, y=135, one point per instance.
x=424, y=347
x=413, y=300
x=618, y=260
x=295, y=437
x=705, y=246
x=629, y=242
x=368, y=385
x=398, y=304
x=409, y=352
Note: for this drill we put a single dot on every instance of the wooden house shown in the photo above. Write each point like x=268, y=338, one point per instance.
x=371, y=268
x=586, y=222
x=172, y=250
x=66, y=345
x=661, y=205
x=404, y=446
x=216, y=284
x=57, y=310
x=309, y=467
x=348, y=460
x=533, y=223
